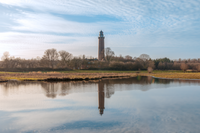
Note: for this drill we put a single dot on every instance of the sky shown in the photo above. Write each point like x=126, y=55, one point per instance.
x=159, y=28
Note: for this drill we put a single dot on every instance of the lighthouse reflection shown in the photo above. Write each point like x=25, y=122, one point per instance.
x=105, y=88
x=106, y=105
x=101, y=98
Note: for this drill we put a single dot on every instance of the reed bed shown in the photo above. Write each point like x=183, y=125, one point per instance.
x=92, y=75
x=169, y=75
x=51, y=76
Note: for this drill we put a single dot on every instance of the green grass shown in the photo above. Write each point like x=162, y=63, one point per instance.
x=113, y=71
x=167, y=71
x=105, y=71
x=97, y=71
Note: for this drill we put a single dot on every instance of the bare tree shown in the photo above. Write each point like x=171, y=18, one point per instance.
x=139, y=63
x=76, y=63
x=5, y=58
x=144, y=57
x=184, y=66
x=9, y=62
x=161, y=66
x=65, y=57
x=198, y=67
x=151, y=64
x=108, y=54
x=128, y=57
x=50, y=57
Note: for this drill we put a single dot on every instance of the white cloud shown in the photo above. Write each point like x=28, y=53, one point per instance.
x=122, y=8
x=146, y=23
x=53, y=24
x=33, y=45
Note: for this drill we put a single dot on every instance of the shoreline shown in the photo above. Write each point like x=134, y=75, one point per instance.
x=71, y=79
x=174, y=78
x=82, y=75
x=92, y=79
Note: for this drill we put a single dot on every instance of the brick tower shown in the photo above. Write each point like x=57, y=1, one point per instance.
x=101, y=46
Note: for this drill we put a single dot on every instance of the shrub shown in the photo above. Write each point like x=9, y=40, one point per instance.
x=150, y=69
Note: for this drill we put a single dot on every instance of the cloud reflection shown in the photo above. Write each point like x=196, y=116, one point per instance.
x=73, y=106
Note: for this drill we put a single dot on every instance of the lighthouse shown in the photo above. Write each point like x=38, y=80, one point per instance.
x=101, y=46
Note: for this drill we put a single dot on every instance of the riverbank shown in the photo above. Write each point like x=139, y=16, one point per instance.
x=173, y=75
x=62, y=76
x=92, y=75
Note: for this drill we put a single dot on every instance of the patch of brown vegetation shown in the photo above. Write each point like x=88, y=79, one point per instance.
x=80, y=76
x=57, y=76
x=174, y=75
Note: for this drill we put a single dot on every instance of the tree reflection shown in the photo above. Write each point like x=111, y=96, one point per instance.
x=50, y=89
x=53, y=89
x=106, y=87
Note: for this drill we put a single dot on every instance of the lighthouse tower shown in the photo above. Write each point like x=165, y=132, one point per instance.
x=101, y=46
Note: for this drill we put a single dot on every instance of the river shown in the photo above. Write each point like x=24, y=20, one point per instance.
x=132, y=105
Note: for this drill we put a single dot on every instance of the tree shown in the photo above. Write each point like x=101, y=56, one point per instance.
x=5, y=58
x=198, y=67
x=108, y=54
x=184, y=66
x=151, y=64
x=50, y=57
x=162, y=60
x=144, y=57
x=76, y=63
x=161, y=66
x=128, y=57
x=65, y=57
x=139, y=63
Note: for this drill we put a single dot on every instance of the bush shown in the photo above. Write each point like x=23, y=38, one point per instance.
x=150, y=69
x=117, y=65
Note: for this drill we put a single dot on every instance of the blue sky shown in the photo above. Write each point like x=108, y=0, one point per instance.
x=167, y=28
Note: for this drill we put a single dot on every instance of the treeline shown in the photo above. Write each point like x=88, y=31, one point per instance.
x=181, y=64
x=53, y=60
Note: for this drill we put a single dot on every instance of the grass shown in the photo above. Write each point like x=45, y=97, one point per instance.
x=176, y=75
x=93, y=74
x=97, y=71
x=63, y=75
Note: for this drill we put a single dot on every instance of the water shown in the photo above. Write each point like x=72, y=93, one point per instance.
x=136, y=105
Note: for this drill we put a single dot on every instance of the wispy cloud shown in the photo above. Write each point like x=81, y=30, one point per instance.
x=52, y=24
x=134, y=23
